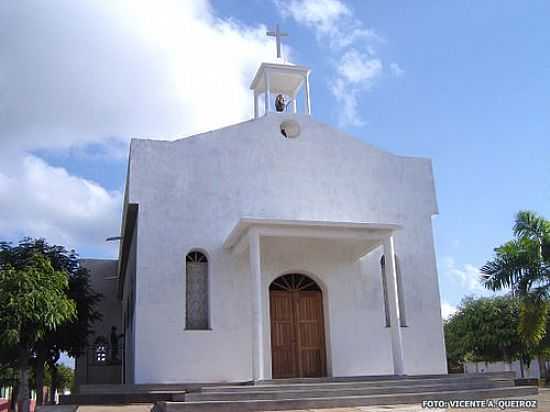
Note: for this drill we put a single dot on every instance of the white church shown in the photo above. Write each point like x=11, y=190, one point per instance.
x=279, y=247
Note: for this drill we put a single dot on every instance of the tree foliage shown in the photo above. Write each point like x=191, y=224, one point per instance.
x=484, y=329
x=33, y=302
x=71, y=336
x=523, y=266
x=65, y=377
x=62, y=377
x=63, y=333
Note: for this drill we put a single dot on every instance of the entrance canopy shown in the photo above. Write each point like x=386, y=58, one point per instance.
x=364, y=236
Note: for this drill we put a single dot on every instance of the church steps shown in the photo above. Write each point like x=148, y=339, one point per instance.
x=368, y=378
x=243, y=385
x=404, y=381
x=147, y=388
x=343, y=401
x=118, y=398
x=336, y=392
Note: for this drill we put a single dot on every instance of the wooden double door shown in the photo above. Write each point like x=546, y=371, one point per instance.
x=297, y=328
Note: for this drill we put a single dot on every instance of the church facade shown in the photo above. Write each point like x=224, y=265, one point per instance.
x=274, y=248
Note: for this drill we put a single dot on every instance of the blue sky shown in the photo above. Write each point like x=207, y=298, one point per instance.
x=464, y=83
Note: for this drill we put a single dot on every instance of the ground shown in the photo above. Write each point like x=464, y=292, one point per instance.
x=543, y=405
x=543, y=399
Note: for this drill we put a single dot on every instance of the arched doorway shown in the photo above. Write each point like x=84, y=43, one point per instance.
x=297, y=327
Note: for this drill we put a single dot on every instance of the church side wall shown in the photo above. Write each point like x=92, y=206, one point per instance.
x=423, y=340
x=128, y=308
x=102, y=280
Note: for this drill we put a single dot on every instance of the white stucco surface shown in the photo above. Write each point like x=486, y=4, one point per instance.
x=192, y=192
x=522, y=370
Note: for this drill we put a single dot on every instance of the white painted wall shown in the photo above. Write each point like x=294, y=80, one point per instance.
x=192, y=192
x=533, y=371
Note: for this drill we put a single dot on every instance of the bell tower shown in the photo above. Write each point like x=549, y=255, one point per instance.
x=278, y=84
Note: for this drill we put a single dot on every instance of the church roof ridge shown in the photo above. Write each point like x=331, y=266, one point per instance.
x=179, y=139
x=302, y=118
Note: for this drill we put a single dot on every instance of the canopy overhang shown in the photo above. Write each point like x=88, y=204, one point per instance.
x=284, y=78
x=365, y=236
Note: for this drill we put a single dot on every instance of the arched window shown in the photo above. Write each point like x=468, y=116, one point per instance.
x=196, y=302
x=400, y=295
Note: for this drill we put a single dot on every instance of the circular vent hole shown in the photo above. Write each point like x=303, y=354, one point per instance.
x=290, y=129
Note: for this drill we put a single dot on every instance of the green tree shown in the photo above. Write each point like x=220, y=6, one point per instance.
x=484, y=329
x=523, y=266
x=33, y=302
x=64, y=378
x=456, y=353
x=8, y=372
x=70, y=336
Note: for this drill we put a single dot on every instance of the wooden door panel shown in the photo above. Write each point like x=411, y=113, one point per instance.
x=311, y=364
x=283, y=341
x=297, y=332
x=310, y=334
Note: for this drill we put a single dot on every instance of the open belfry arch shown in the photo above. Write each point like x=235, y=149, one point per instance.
x=280, y=79
x=276, y=86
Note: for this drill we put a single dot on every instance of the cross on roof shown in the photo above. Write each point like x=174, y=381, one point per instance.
x=277, y=34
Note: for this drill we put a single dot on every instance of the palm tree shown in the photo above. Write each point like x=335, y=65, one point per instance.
x=523, y=265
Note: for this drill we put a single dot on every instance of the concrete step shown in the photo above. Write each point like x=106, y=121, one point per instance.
x=149, y=387
x=343, y=401
x=119, y=398
x=335, y=392
x=403, y=381
x=495, y=375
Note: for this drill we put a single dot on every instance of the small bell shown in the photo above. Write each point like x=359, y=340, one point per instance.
x=280, y=103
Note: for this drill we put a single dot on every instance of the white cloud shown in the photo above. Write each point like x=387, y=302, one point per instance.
x=356, y=72
x=467, y=275
x=81, y=72
x=39, y=200
x=348, y=111
x=396, y=70
x=447, y=310
x=356, y=67
x=322, y=14
x=330, y=19
x=351, y=44
x=75, y=73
